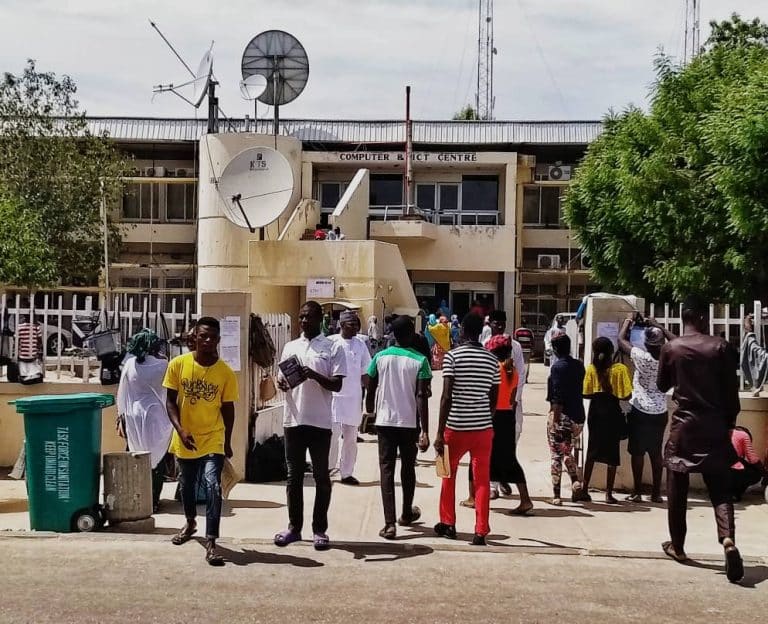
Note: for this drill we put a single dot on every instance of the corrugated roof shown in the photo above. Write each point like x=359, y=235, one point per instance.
x=350, y=131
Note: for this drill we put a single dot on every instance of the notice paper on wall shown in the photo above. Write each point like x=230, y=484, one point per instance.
x=610, y=331
x=229, y=347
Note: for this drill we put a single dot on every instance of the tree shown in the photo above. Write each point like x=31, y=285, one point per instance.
x=56, y=174
x=467, y=113
x=675, y=200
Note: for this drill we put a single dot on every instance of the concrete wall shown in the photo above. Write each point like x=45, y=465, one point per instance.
x=222, y=246
x=305, y=216
x=351, y=214
x=12, y=424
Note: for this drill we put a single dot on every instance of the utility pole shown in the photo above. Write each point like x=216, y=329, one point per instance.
x=484, y=99
x=692, y=30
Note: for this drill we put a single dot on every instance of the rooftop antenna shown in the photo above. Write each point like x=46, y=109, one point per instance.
x=202, y=83
x=282, y=60
x=692, y=30
x=484, y=98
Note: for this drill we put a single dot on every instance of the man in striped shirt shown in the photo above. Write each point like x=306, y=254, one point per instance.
x=470, y=391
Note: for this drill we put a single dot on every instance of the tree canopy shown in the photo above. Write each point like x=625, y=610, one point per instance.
x=467, y=113
x=675, y=200
x=54, y=175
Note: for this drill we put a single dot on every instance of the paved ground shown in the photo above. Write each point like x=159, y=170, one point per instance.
x=594, y=562
x=108, y=579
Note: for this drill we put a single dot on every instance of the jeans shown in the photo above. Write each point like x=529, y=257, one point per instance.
x=209, y=467
x=392, y=439
x=299, y=440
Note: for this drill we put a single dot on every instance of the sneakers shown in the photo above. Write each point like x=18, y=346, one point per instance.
x=447, y=531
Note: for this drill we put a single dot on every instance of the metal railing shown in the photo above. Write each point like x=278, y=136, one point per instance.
x=452, y=217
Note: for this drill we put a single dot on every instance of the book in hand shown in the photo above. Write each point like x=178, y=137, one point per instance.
x=292, y=371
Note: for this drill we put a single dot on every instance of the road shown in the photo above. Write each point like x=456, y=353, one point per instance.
x=92, y=578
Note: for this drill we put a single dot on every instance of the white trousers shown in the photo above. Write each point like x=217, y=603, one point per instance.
x=346, y=463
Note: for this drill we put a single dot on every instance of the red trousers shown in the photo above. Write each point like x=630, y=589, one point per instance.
x=478, y=445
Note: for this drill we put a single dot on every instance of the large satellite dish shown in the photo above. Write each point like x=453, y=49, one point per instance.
x=256, y=187
x=202, y=78
x=282, y=60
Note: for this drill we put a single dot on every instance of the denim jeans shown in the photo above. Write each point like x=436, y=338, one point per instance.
x=209, y=468
x=299, y=440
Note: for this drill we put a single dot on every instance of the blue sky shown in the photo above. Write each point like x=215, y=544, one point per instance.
x=561, y=59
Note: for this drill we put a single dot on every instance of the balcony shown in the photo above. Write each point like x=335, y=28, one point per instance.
x=171, y=233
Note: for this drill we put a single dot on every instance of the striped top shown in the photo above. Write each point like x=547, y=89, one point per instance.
x=475, y=371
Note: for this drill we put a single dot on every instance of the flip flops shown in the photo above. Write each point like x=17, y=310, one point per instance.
x=183, y=536
x=321, y=541
x=287, y=537
x=212, y=557
x=389, y=532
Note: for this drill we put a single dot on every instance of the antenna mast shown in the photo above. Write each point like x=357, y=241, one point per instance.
x=692, y=30
x=484, y=99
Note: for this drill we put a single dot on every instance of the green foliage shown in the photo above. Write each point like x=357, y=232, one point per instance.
x=468, y=113
x=23, y=250
x=675, y=200
x=57, y=174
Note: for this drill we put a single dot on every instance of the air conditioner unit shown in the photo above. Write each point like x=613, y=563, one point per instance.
x=159, y=172
x=182, y=173
x=149, y=172
x=586, y=263
x=549, y=261
x=557, y=173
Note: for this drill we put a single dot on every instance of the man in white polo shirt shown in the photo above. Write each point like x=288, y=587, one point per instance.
x=307, y=422
x=347, y=406
x=399, y=378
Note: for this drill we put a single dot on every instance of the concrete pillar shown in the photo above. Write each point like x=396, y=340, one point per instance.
x=127, y=487
x=509, y=299
x=220, y=305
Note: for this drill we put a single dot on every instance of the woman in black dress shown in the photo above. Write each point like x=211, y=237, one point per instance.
x=605, y=383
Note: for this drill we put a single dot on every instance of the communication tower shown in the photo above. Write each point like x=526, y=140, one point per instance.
x=484, y=98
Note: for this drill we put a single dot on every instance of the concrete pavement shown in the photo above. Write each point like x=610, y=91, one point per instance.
x=257, y=511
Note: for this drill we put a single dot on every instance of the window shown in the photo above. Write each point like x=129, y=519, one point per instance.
x=187, y=283
x=330, y=194
x=425, y=197
x=386, y=190
x=180, y=205
x=449, y=203
x=141, y=202
x=542, y=205
x=480, y=193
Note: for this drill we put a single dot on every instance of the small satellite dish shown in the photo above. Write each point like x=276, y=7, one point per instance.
x=282, y=60
x=202, y=78
x=256, y=187
x=253, y=86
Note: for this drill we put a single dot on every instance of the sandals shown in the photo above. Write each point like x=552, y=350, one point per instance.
x=388, y=532
x=634, y=498
x=407, y=520
x=289, y=536
x=212, y=557
x=494, y=494
x=470, y=502
x=557, y=502
x=505, y=488
x=734, y=566
x=183, y=536
x=321, y=541
x=670, y=551
x=521, y=511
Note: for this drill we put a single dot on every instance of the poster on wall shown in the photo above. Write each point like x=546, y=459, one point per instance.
x=229, y=346
x=609, y=330
x=321, y=288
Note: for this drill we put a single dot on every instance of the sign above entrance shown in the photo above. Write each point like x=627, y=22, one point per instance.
x=425, y=157
x=321, y=288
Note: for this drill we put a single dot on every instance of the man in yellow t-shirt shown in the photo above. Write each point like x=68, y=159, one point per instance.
x=202, y=390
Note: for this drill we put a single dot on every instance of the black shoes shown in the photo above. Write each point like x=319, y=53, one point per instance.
x=350, y=480
x=447, y=531
x=413, y=517
x=478, y=540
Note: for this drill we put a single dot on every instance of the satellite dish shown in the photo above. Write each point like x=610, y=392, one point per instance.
x=202, y=78
x=256, y=187
x=253, y=86
x=282, y=60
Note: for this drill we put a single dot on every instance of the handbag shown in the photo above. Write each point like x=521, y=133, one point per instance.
x=267, y=388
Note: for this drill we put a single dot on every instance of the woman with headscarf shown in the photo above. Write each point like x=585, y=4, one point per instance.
x=606, y=384
x=441, y=334
x=141, y=403
x=431, y=322
x=505, y=467
x=455, y=330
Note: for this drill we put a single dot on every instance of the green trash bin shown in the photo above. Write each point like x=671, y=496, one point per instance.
x=63, y=447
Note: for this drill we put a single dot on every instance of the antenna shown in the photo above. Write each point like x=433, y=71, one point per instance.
x=202, y=83
x=484, y=99
x=282, y=60
x=692, y=30
x=256, y=187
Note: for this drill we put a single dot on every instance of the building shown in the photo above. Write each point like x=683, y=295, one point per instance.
x=489, y=195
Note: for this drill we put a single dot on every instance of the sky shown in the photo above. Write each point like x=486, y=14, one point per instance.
x=559, y=59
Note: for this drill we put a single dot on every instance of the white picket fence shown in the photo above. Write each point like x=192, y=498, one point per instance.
x=67, y=319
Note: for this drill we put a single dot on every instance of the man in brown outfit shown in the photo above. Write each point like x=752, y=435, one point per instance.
x=702, y=371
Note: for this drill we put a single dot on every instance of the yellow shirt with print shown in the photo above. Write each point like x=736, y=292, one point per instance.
x=202, y=390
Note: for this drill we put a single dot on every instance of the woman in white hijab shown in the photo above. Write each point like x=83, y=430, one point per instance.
x=141, y=403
